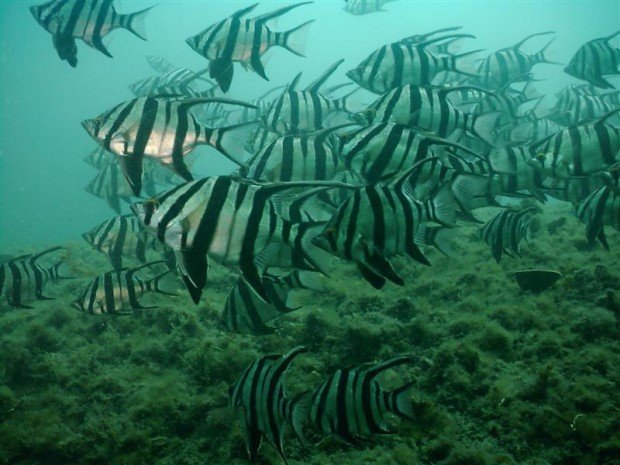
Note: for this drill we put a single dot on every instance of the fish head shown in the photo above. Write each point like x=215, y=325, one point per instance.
x=92, y=127
x=192, y=42
x=144, y=211
x=356, y=74
x=37, y=12
x=538, y=161
x=89, y=237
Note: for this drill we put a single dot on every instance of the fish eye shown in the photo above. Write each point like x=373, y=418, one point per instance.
x=540, y=156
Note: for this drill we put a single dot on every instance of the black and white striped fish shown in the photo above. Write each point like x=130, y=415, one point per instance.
x=380, y=221
x=89, y=20
x=23, y=279
x=245, y=312
x=295, y=158
x=99, y=158
x=364, y=7
x=164, y=129
x=237, y=39
x=402, y=63
x=514, y=174
x=383, y=150
x=505, y=230
x=308, y=110
x=581, y=109
x=579, y=150
x=232, y=220
x=110, y=185
x=600, y=209
x=122, y=237
x=175, y=82
x=429, y=109
x=118, y=292
x=352, y=405
x=266, y=409
x=511, y=64
x=594, y=60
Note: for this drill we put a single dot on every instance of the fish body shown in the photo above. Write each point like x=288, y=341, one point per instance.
x=579, y=150
x=403, y=63
x=599, y=209
x=364, y=7
x=505, y=230
x=164, y=129
x=232, y=220
x=352, y=405
x=117, y=292
x=511, y=64
x=380, y=221
x=267, y=411
x=89, y=20
x=23, y=279
x=243, y=40
x=594, y=60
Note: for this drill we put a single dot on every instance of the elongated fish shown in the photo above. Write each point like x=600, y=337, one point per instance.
x=89, y=20
x=122, y=237
x=266, y=409
x=405, y=62
x=594, y=60
x=118, y=292
x=164, y=129
x=238, y=39
x=364, y=7
x=380, y=221
x=352, y=405
x=511, y=64
x=23, y=279
x=599, y=209
x=235, y=222
x=505, y=230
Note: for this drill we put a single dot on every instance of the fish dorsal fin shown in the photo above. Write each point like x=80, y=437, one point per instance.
x=272, y=90
x=377, y=369
x=414, y=39
x=45, y=252
x=243, y=11
x=316, y=85
x=131, y=271
x=607, y=115
x=201, y=101
x=400, y=181
x=291, y=86
x=424, y=43
x=522, y=41
x=277, y=13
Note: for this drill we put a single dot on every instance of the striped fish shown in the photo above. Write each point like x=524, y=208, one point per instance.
x=305, y=111
x=23, y=279
x=352, y=405
x=237, y=39
x=99, y=158
x=246, y=313
x=579, y=150
x=511, y=64
x=164, y=129
x=385, y=149
x=122, y=237
x=295, y=158
x=364, y=7
x=380, y=221
x=582, y=109
x=594, y=60
x=118, y=292
x=507, y=102
x=599, y=209
x=178, y=81
x=514, y=175
x=160, y=64
x=89, y=20
x=235, y=222
x=266, y=409
x=429, y=109
x=110, y=184
x=402, y=63
x=505, y=230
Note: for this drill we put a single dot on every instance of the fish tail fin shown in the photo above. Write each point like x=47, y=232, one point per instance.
x=442, y=207
x=231, y=141
x=135, y=22
x=471, y=191
x=541, y=58
x=399, y=402
x=458, y=63
x=483, y=126
x=154, y=284
x=298, y=410
x=295, y=39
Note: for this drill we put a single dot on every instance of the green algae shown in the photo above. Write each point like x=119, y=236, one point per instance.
x=505, y=376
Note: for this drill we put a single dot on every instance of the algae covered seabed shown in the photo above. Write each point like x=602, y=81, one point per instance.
x=505, y=377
